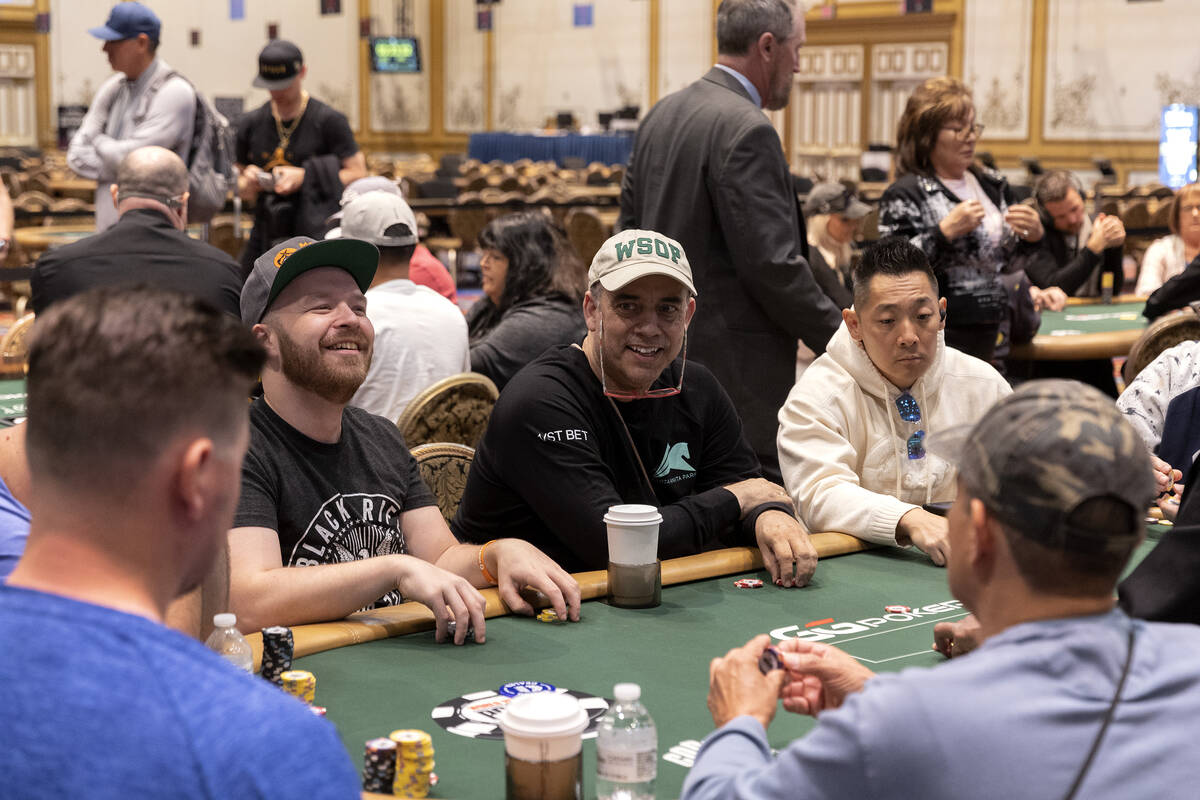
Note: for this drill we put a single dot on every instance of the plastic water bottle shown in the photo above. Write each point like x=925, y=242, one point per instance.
x=626, y=748
x=229, y=642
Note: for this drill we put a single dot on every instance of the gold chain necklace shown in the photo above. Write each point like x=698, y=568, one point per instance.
x=285, y=131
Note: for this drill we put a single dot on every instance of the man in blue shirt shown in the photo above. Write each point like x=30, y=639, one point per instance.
x=137, y=428
x=1067, y=696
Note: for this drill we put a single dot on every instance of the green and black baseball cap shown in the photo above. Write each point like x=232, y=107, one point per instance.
x=282, y=264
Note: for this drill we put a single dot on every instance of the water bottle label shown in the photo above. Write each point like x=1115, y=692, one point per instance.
x=627, y=766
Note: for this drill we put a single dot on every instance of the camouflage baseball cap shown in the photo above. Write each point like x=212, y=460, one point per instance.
x=1040, y=454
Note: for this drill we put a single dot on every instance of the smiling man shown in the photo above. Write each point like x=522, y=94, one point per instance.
x=852, y=433
x=332, y=488
x=614, y=421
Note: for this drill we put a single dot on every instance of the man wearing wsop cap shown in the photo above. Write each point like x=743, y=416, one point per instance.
x=294, y=154
x=332, y=488
x=420, y=336
x=424, y=268
x=581, y=429
x=852, y=432
x=708, y=169
x=1067, y=697
x=144, y=103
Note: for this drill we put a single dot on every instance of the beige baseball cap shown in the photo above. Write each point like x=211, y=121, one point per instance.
x=634, y=254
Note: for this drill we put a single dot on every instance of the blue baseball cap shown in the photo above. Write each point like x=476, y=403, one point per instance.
x=126, y=21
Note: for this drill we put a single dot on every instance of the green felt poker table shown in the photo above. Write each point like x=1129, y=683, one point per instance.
x=401, y=680
x=1082, y=331
x=12, y=400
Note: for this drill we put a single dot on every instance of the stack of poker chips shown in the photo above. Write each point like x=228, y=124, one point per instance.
x=276, y=653
x=379, y=766
x=300, y=684
x=414, y=763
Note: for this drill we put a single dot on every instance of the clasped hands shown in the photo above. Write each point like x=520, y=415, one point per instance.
x=816, y=677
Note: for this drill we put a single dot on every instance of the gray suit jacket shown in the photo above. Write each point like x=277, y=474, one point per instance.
x=708, y=170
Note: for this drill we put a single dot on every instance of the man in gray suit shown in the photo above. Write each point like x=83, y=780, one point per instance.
x=708, y=170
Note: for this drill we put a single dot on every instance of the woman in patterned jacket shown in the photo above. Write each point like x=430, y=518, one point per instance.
x=961, y=215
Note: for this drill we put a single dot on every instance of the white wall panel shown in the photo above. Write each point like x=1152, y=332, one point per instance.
x=997, y=43
x=1111, y=65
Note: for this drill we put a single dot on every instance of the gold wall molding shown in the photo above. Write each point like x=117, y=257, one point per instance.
x=18, y=26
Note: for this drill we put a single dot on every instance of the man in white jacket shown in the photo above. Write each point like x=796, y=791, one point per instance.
x=852, y=432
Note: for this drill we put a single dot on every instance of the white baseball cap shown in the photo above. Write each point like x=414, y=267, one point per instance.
x=381, y=218
x=634, y=254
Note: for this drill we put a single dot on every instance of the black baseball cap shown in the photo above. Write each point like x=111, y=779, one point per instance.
x=126, y=21
x=278, y=65
x=285, y=262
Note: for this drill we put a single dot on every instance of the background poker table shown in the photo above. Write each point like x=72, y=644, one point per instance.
x=1081, y=331
x=374, y=687
x=12, y=400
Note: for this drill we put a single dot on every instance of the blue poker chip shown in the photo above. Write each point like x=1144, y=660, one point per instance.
x=524, y=687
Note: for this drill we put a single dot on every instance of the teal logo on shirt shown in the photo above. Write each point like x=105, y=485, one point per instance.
x=674, y=459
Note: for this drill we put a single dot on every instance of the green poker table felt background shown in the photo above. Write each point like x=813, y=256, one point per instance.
x=373, y=688
x=1085, y=331
x=12, y=399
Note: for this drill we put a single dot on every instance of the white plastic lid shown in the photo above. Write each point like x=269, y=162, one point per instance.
x=225, y=620
x=633, y=513
x=544, y=714
x=627, y=692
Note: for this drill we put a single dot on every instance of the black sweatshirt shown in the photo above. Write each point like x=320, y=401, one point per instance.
x=556, y=456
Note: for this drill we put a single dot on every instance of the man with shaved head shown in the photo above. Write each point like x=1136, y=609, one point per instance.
x=147, y=245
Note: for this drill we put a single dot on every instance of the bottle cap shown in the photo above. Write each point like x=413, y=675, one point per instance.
x=627, y=692
x=225, y=620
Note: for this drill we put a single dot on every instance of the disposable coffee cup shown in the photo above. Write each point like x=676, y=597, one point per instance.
x=543, y=747
x=634, y=571
x=633, y=534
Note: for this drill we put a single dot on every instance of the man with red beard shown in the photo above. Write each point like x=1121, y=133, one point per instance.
x=333, y=488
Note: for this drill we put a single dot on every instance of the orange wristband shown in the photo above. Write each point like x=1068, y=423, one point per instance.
x=487, y=576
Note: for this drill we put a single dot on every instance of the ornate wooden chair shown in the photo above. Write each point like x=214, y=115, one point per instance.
x=455, y=409
x=1166, y=331
x=14, y=347
x=444, y=467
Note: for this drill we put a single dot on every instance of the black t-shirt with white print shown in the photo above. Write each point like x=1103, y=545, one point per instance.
x=330, y=503
x=556, y=455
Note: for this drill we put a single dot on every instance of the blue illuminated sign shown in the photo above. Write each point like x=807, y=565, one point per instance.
x=1177, y=145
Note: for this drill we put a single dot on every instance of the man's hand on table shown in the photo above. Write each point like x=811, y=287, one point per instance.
x=520, y=564
x=736, y=686
x=447, y=595
x=1052, y=298
x=755, y=492
x=929, y=532
x=786, y=550
x=953, y=639
x=818, y=676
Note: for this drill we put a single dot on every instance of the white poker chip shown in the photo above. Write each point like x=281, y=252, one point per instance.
x=477, y=715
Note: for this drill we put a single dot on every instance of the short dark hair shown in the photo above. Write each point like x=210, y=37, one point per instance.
x=541, y=260
x=741, y=22
x=1071, y=573
x=396, y=256
x=893, y=255
x=116, y=374
x=1054, y=186
x=931, y=105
